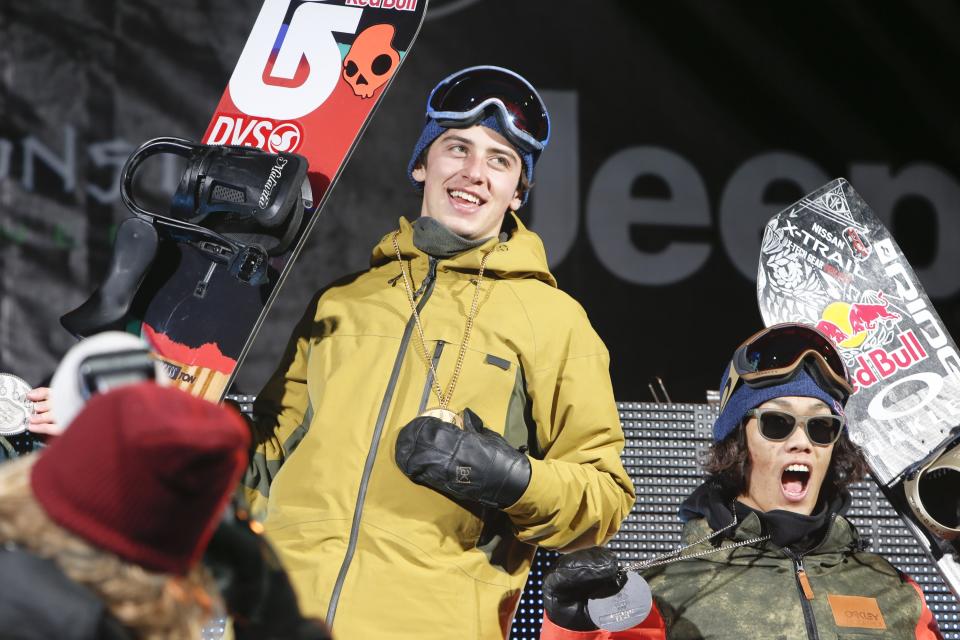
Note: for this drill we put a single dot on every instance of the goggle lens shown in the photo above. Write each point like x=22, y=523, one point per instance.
x=781, y=348
x=774, y=355
x=467, y=90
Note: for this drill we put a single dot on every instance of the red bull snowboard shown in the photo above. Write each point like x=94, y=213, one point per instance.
x=305, y=86
x=827, y=261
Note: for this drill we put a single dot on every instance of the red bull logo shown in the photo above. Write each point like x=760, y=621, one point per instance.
x=879, y=364
x=849, y=325
x=866, y=333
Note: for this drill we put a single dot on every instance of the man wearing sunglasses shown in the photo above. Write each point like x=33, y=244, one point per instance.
x=440, y=415
x=766, y=552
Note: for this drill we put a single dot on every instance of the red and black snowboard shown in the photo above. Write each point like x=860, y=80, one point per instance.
x=308, y=79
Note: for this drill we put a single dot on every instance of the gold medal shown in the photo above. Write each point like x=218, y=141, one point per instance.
x=444, y=414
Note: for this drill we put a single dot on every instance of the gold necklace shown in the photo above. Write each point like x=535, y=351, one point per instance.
x=441, y=412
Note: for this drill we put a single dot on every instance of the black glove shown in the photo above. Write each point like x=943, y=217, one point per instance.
x=579, y=576
x=473, y=463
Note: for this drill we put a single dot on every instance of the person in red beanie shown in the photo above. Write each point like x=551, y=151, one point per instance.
x=101, y=533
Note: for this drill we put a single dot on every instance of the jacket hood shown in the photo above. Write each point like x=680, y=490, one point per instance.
x=520, y=256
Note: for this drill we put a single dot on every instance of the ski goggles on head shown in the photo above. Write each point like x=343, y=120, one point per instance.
x=778, y=425
x=465, y=97
x=773, y=356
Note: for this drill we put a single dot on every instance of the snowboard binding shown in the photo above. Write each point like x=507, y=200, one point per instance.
x=237, y=197
x=238, y=206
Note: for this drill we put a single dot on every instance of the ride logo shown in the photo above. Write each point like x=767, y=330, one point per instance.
x=274, y=136
x=935, y=338
x=879, y=364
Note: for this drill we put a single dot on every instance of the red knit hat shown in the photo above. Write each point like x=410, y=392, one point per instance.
x=144, y=472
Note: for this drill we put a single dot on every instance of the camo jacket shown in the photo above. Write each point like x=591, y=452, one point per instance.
x=760, y=590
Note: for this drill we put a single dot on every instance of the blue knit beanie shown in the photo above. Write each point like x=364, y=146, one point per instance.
x=432, y=130
x=746, y=398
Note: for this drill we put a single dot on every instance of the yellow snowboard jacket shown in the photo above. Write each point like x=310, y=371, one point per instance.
x=373, y=553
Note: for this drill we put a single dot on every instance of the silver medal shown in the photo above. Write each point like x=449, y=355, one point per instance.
x=15, y=409
x=625, y=609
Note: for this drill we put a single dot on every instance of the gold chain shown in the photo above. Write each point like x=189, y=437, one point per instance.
x=443, y=397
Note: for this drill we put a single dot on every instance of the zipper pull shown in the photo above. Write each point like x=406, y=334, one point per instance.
x=431, y=276
x=803, y=579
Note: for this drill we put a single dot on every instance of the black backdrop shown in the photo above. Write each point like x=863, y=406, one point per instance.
x=680, y=126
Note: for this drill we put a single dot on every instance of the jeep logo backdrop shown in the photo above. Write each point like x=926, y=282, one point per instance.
x=679, y=129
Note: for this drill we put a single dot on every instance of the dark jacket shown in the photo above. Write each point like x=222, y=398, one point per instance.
x=825, y=588
x=39, y=602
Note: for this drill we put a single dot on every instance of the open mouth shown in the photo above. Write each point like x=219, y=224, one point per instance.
x=465, y=198
x=794, y=480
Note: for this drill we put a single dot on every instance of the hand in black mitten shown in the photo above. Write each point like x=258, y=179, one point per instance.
x=473, y=463
x=579, y=576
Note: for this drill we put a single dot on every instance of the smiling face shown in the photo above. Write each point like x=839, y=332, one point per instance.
x=470, y=179
x=788, y=474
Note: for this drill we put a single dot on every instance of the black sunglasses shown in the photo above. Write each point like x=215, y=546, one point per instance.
x=778, y=425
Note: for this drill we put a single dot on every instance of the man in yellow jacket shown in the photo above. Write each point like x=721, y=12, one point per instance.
x=438, y=416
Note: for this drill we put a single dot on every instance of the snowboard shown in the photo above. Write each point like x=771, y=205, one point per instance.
x=827, y=261
x=305, y=86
